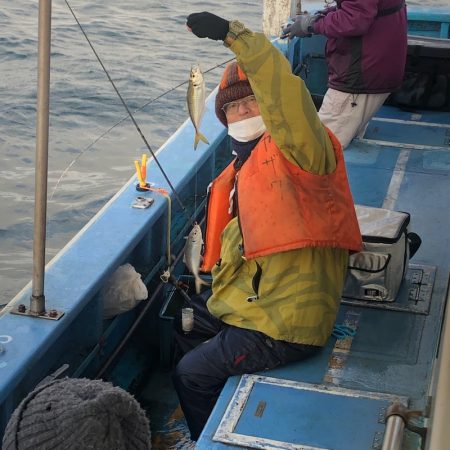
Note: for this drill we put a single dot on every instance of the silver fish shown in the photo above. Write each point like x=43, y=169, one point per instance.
x=192, y=255
x=196, y=101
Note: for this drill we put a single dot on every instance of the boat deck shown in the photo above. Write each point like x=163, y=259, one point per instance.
x=403, y=163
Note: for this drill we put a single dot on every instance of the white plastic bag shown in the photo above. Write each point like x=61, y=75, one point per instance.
x=123, y=291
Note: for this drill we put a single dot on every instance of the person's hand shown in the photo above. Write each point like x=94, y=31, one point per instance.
x=323, y=12
x=302, y=27
x=208, y=25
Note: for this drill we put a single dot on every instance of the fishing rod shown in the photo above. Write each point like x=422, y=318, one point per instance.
x=149, y=302
x=126, y=117
x=130, y=114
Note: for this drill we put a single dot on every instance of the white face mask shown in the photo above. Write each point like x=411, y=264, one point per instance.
x=248, y=129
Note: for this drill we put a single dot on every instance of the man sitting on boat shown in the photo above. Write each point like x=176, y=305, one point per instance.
x=280, y=225
x=366, y=56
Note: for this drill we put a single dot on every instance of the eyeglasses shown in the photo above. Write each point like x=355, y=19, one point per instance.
x=233, y=107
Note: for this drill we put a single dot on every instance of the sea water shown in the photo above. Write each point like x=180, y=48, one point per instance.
x=147, y=51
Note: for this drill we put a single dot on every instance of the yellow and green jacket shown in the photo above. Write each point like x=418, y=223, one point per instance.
x=298, y=290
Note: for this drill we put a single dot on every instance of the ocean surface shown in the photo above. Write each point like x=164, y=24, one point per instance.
x=147, y=51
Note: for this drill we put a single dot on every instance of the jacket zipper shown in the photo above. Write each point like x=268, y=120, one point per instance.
x=238, y=216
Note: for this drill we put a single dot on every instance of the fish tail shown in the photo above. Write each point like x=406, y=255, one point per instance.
x=198, y=283
x=199, y=137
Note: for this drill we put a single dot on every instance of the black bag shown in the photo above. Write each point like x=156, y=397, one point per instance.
x=426, y=83
x=423, y=90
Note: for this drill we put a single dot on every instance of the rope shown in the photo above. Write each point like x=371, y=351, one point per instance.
x=343, y=331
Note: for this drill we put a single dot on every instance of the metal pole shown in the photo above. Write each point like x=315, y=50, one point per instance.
x=275, y=13
x=37, y=301
x=440, y=411
x=393, y=435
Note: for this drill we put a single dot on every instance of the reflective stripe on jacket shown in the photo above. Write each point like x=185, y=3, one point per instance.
x=282, y=207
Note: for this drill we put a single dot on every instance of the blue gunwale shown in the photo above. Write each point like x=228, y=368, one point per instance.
x=74, y=278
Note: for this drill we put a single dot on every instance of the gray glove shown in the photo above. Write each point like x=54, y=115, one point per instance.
x=302, y=27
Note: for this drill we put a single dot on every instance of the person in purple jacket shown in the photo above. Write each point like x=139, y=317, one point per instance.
x=366, y=55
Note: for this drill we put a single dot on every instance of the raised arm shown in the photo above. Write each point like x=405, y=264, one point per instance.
x=284, y=101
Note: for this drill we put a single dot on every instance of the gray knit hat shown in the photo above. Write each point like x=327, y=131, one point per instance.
x=78, y=414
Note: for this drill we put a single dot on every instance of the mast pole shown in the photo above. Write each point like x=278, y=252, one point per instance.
x=276, y=13
x=37, y=300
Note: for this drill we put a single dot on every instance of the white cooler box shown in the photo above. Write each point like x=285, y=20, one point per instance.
x=377, y=271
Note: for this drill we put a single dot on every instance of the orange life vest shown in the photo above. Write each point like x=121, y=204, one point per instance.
x=281, y=207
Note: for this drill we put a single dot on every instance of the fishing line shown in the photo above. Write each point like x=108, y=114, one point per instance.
x=166, y=195
x=130, y=114
x=123, y=119
x=195, y=191
x=148, y=303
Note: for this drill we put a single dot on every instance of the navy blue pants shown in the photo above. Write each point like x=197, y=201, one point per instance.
x=214, y=351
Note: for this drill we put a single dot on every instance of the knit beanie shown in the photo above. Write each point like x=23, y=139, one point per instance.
x=233, y=86
x=78, y=414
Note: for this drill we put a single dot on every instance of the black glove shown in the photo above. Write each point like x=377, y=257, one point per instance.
x=206, y=24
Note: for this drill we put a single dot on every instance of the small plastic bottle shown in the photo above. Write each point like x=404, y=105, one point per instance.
x=187, y=319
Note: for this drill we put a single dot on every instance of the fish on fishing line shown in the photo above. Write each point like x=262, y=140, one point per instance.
x=192, y=255
x=196, y=101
